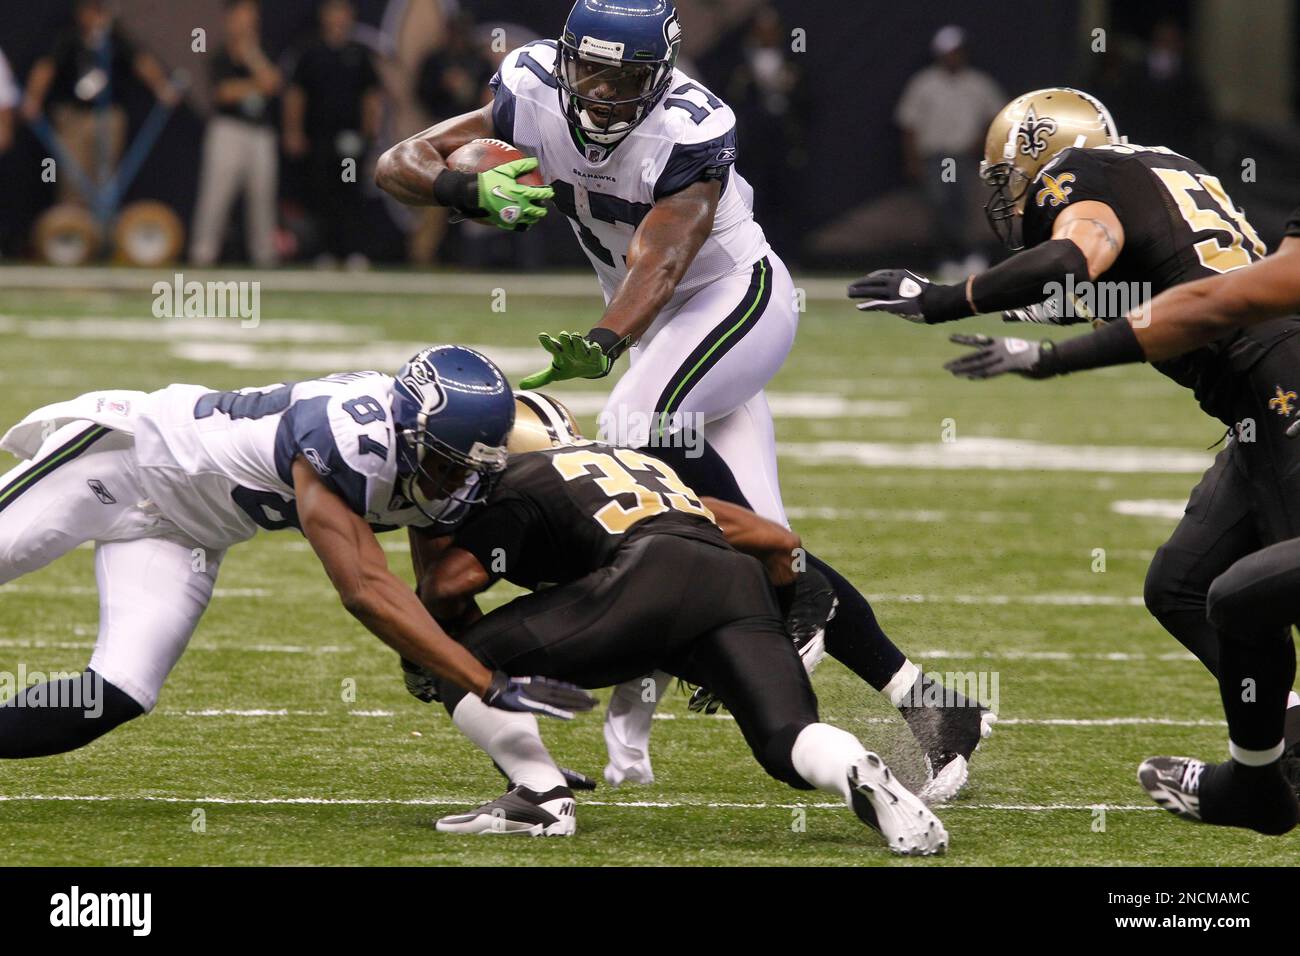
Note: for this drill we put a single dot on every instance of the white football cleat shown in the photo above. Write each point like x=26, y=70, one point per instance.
x=948, y=769
x=885, y=805
x=521, y=811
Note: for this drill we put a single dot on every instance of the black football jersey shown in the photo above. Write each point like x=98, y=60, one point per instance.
x=559, y=514
x=1179, y=225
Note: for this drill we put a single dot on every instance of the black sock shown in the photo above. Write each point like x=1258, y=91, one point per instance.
x=853, y=637
x=62, y=715
x=1255, y=678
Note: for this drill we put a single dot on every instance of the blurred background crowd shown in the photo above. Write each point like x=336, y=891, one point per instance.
x=224, y=130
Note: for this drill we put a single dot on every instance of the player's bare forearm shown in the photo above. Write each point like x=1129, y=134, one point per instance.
x=408, y=170
x=662, y=250
x=380, y=600
x=752, y=534
x=1193, y=314
x=446, y=584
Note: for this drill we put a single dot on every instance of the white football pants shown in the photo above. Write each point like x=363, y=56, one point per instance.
x=154, y=584
x=704, y=362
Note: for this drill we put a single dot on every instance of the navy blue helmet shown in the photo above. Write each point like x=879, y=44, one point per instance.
x=452, y=412
x=615, y=61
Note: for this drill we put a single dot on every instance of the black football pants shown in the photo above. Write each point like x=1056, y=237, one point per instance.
x=699, y=611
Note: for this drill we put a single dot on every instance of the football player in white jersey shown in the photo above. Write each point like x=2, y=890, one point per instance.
x=165, y=482
x=641, y=159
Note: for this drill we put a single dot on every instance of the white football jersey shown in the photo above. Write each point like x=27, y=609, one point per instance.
x=689, y=135
x=219, y=464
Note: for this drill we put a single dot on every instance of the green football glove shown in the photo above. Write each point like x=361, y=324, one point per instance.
x=509, y=204
x=495, y=195
x=574, y=355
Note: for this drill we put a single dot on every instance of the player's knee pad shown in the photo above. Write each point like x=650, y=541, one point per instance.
x=1239, y=609
x=775, y=756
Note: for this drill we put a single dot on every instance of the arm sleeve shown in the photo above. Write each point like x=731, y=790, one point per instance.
x=305, y=430
x=690, y=163
x=503, y=109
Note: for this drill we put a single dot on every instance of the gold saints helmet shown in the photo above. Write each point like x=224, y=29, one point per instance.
x=1024, y=137
x=541, y=422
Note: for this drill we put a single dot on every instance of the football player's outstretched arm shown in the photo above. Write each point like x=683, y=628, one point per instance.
x=752, y=534
x=1178, y=320
x=1086, y=240
x=662, y=249
x=1196, y=313
x=380, y=600
x=388, y=607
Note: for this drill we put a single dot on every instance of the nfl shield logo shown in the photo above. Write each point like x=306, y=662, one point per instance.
x=595, y=154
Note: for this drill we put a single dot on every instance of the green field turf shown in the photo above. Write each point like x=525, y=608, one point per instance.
x=970, y=569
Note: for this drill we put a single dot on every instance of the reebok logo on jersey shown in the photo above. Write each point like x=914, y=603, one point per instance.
x=316, y=461
x=102, y=493
x=726, y=155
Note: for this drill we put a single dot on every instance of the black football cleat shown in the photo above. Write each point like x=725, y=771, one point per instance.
x=949, y=732
x=811, y=610
x=1224, y=794
x=521, y=811
x=884, y=804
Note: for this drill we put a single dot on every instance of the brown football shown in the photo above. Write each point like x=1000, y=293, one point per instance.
x=479, y=155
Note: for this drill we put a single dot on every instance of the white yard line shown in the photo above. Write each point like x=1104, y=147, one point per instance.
x=462, y=801
x=1050, y=600
x=1001, y=454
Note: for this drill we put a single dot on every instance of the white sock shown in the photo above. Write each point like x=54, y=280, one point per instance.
x=1256, y=758
x=1292, y=700
x=899, y=687
x=512, y=740
x=628, y=719
x=822, y=755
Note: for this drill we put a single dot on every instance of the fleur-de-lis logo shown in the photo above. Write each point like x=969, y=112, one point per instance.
x=1056, y=189
x=1281, y=402
x=1033, y=133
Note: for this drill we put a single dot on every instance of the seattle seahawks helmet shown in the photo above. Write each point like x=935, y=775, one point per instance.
x=1025, y=136
x=452, y=413
x=616, y=59
x=541, y=422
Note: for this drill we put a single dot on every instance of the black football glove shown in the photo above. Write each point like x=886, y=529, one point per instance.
x=537, y=695
x=993, y=357
x=914, y=297
x=420, y=683
x=899, y=291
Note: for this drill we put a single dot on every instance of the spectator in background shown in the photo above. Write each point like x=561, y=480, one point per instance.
x=453, y=79
x=944, y=113
x=78, y=80
x=239, y=146
x=332, y=110
x=8, y=100
x=1170, y=106
x=769, y=98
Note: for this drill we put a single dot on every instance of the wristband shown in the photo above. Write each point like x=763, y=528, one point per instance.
x=1115, y=343
x=610, y=342
x=458, y=191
